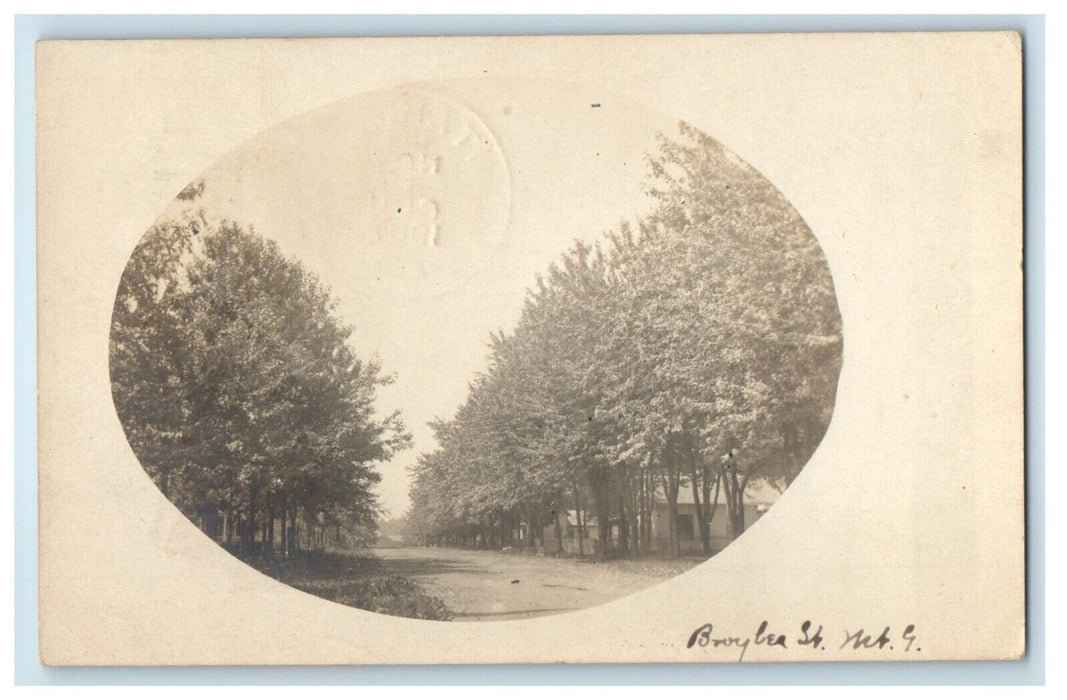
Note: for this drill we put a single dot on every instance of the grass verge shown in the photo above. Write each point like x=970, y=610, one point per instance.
x=355, y=579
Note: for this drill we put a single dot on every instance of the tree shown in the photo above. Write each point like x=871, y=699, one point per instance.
x=698, y=348
x=239, y=393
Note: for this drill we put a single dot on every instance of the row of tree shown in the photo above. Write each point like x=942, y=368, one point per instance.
x=234, y=381
x=696, y=349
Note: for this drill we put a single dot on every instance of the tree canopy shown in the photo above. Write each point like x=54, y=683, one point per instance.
x=698, y=347
x=235, y=383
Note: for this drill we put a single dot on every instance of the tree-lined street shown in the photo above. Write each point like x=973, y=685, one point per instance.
x=697, y=348
x=677, y=360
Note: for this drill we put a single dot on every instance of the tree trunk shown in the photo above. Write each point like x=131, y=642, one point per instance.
x=226, y=526
x=294, y=542
x=702, y=523
x=734, y=491
x=269, y=542
x=648, y=488
x=581, y=523
x=603, y=525
x=538, y=532
x=671, y=489
x=697, y=486
x=527, y=517
x=714, y=502
x=740, y=527
x=731, y=503
x=284, y=534
x=709, y=506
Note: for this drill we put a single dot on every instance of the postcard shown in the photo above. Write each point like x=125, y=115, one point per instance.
x=549, y=349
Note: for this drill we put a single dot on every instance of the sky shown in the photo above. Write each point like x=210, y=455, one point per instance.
x=430, y=209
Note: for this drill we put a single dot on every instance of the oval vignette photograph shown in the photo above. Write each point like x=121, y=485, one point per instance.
x=476, y=350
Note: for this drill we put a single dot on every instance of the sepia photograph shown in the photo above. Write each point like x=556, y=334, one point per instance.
x=403, y=424
x=393, y=351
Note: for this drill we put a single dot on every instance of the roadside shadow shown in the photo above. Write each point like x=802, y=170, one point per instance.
x=419, y=566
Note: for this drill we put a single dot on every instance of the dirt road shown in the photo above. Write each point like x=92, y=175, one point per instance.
x=479, y=585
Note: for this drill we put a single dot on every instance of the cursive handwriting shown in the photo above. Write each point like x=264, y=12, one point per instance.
x=812, y=637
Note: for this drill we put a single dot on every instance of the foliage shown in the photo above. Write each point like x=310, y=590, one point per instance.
x=698, y=347
x=237, y=389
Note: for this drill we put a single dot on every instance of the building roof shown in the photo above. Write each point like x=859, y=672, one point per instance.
x=589, y=518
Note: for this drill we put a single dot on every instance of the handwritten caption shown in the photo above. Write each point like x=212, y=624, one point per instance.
x=811, y=638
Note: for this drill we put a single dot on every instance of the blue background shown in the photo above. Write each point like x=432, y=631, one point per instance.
x=31, y=28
